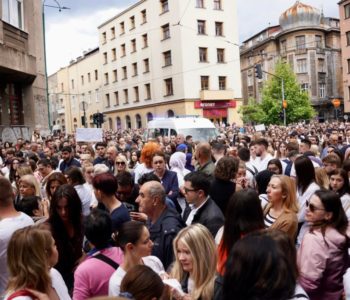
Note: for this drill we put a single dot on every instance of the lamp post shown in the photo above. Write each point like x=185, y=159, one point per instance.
x=59, y=7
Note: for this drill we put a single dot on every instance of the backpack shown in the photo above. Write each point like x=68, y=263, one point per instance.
x=20, y=293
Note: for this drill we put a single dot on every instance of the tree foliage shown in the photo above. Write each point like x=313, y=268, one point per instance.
x=269, y=110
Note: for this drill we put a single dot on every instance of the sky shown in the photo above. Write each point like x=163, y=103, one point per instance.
x=71, y=31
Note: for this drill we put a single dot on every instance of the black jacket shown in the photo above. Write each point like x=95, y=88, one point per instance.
x=162, y=233
x=208, y=215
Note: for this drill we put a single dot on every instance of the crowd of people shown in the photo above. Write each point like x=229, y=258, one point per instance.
x=249, y=215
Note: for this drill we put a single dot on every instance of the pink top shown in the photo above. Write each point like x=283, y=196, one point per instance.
x=92, y=275
x=322, y=266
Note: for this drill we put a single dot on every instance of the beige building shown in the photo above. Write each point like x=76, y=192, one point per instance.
x=344, y=14
x=310, y=43
x=23, y=104
x=76, y=88
x=163, y=58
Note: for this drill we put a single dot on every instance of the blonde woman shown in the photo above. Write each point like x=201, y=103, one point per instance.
x=322, y=178
x=28, y=186
x=31, y=254
x=281, y=212
x=195, y=263
x=121, y=164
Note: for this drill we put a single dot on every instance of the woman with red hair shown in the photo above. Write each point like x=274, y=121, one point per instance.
x=147, y=153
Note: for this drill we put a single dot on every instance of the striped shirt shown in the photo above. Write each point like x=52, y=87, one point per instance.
x=269, y=220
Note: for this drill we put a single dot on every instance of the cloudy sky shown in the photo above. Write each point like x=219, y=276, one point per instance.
x=71, y=31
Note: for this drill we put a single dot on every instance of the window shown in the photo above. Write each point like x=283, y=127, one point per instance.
x=105, y=60
x=116, y=98
x=106, y=79
x=283, y=47
x=108, y=104
x=318, y=41
x=348, y=60
x=89, y=77
x=203, y=54
x=348, y=38
x=132, y=22
x=322, y=66
x=126, y=96
x=200, y=27
x=204, y=82
x=115, y=75
x=148, y=91
x=347, y=11
x=200, y=3
x=322, y=90
x=144, y=16
x=134, y=68
x=217, y=4
x=96, y=75
x=300, y=43
x=304, y=87
x=136, y=93
x=96, y=96
x=168, y=87
x=122, y=28
x=82, y=79
x=104, y=37
x=62, y=87
x=112, y=33
x=222, y=82
x=125, y=73
x=146, y=65
x=114, y=54
x=219, y=29
x=167, y=58
x=123, y=50
x=301, y=65
x=133, y=45
x=164, y=6
x=145, y=40
x=12, y=12
x=72, y=81
x=166, y=31
x=220, y=53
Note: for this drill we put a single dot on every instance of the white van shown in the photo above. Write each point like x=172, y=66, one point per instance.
x=200, y=129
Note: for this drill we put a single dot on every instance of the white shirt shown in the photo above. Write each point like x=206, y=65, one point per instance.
x=193, y=212
x=84, y=193
x=261, y=163
x=7, y=227
x=114, y=282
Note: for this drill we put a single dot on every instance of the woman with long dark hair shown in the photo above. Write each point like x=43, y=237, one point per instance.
x=339, y=183
x=323, y=254
x=66, y=226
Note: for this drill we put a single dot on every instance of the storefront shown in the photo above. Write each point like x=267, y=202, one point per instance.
x=216, y=111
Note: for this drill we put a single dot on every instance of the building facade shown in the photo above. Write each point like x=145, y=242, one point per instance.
x=23, y=104
x=163, y=58
x=75, y=92
x=344, y=15
x=310, y=43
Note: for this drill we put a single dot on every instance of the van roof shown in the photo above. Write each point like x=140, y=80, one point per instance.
x=181, y=122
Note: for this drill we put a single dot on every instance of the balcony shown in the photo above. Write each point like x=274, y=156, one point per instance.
x=216, y=95
x=61, y=111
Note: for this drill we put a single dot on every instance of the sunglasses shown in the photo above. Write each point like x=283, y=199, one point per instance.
x=312, y=207
x=120, y=163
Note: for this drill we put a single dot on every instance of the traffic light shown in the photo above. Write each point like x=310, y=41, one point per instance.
x=258, y=71
x=95, y=118
x=281, y=115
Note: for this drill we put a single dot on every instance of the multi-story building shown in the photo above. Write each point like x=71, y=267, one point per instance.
x=163, y=58
x=310, y=43
x=23, y=104
x=75, y=92
x=344, y=14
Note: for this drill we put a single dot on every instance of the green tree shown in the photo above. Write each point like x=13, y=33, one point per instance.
x=298, y=102
x=252, y=112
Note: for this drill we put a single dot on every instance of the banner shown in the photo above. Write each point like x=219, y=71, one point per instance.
x=89, y=135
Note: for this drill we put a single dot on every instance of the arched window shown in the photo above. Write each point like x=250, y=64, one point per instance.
x=128, y=122
x=110, y=123
x=149, y=117
x=171, y=113
x=119, y=123
x=138, y=121
x=75, y=120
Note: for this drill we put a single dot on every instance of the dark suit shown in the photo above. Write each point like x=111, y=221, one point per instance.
x=208, y=215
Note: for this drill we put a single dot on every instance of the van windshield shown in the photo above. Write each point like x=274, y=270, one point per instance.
x=200, y=134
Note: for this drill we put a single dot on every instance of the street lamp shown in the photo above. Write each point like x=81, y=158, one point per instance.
x=44, y=38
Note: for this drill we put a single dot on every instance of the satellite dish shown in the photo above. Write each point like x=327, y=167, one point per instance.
x=83, y=105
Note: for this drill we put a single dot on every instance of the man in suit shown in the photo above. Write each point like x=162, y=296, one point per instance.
x=202, y=209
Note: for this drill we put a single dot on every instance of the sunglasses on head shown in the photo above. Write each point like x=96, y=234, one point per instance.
x=312, y=207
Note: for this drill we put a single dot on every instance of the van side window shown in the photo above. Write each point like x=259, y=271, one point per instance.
x=173, y=132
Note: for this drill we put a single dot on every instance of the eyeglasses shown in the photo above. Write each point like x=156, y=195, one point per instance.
x=189, y=190
x=312, y=207
x=120, y=163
